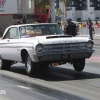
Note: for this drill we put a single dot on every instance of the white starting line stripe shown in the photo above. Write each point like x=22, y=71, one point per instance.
x=23, y=87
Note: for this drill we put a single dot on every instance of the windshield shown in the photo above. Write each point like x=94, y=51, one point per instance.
x=35, y=30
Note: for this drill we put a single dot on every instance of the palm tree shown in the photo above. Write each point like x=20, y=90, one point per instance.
x=59, y=12
x=40, y=4
x=65, y=7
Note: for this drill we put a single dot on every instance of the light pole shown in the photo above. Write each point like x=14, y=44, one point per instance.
x=52, y=2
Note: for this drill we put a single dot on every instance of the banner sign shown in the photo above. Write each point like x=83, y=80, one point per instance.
x=19, y=3
x=2, y=2
x=8, y=6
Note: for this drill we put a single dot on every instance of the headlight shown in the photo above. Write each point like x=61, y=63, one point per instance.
x=90, y=44
x=39, y=48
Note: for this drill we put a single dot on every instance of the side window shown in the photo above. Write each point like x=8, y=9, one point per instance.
x=12, y=33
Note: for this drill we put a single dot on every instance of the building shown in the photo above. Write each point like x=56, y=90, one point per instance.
x=81, y=10
x=13, y=10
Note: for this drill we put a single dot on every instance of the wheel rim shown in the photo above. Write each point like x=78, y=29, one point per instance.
x=28, y=64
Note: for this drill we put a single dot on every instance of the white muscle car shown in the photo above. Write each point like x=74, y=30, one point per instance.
x=42, y=45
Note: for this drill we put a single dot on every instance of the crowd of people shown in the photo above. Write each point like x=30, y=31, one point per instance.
x=71, y=27
x=90, y=25
x=85, y=24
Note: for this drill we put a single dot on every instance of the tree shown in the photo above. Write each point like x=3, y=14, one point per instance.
x=65, y=7
x=59, y=12
x=41, y=3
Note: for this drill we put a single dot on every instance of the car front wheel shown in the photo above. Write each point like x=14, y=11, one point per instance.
x=31, y=67
x=79, y=64
x=4, y=64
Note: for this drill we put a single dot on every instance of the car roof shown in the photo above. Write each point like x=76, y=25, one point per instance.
x=33, y=24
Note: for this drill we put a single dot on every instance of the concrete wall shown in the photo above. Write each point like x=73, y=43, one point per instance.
x=25, y=7
x=5, y=21
x=78, y=14
x=71, y=14
x=26, y=10
x=97, y=14
x=83, y=14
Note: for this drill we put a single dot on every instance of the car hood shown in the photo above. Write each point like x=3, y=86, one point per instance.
x=55, y=39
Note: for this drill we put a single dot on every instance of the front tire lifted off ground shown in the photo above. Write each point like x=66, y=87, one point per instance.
x=79, y=64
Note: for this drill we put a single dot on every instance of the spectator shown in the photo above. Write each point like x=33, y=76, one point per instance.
x=18, y=22
x=96, y=22
x=47, y=7
x=87, y=23
x=39, y=21
x=24, y=20
x=81, y=24
x=84, y=24
x=90, y=24
x=70, y=28
x=59, y=24
x=49, y=20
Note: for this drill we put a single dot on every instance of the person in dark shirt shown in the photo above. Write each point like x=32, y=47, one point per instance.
x=39, y=21
x=59, y=24
x=90, y=24
x=70, y=28
x=49, y=20
x=18, y=22
x=24, y=21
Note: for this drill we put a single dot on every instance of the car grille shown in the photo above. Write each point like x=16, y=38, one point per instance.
x=64, y=47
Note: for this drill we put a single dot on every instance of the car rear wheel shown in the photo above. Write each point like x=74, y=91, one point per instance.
x=79, y=64
x=5, y=64
x=31, y=67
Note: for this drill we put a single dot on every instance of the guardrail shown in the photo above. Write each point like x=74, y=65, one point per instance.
x=84, y=31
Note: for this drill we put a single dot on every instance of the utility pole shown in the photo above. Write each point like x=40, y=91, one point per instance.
x=52, y=2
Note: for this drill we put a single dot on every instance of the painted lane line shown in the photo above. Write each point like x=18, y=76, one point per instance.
x=23, y=87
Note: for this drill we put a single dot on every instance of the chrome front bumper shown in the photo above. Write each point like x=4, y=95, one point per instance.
x=57, y=56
